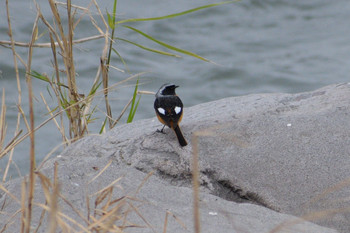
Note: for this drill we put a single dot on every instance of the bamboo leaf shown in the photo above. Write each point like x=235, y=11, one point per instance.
x=176, y=14
x=149, y=49
x=167, y=45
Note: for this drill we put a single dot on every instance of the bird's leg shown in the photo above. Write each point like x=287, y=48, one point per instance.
x=162, y=130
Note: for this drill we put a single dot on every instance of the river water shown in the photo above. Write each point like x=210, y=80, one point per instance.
x=259, y=46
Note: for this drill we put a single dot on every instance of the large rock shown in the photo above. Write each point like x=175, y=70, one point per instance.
x=148, y=202
x=276, y=152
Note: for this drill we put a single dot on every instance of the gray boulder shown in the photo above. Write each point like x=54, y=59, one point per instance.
x=258, y=154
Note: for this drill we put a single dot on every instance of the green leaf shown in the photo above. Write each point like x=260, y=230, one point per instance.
x=110, y=21
x=167, y=45
x=149, y=49
x=176, y=14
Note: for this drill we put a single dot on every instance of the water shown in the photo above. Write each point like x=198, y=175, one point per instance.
x=260, y=46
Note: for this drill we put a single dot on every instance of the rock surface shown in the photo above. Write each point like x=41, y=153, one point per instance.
x=274, y=152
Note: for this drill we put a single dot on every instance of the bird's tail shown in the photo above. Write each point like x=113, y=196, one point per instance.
x=179, y=136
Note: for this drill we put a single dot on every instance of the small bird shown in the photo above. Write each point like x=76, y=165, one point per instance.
x=168, y=107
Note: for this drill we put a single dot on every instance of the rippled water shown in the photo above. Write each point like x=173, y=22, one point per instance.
x=259, y=46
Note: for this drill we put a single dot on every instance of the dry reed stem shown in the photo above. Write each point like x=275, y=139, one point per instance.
x=67, y=55
x=103, y=170
x=9, y=193
x=15, y=55
x=9, y=221
x=165, y=222
x=53, y=204
x=104, y=70
x=108, y=186
x=32, y=126
x=103, y=63
x=141, y=216
x=40, y=219
x=337, y=186
x=122, y=112
x=23, y=207
x=58, y=89
x=60, y=128
x=2, y=120
x=128, y=104
x=48, y=44
x=144, y=181
x=178, y=220
x=62, y=215
x=309, y=217
x=113, y=213
x=195, y=182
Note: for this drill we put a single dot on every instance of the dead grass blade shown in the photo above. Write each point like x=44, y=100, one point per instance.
x=108, y=186
x=141, y=216
x=143, y=182
x=9, y=193
x=104, y=70
x=59, y=127
x=104, y=169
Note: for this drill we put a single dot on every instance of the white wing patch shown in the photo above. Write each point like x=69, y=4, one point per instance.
x=161, y=111
x=177, y=109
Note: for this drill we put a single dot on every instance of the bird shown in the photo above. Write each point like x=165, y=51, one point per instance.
x=169, y=110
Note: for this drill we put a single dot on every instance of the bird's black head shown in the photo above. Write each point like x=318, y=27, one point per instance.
x=167, y=89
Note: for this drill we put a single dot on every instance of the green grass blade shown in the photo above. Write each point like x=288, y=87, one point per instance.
x=122, y=59
x=137, y=104
x=132, y=110
x=94, y=88
x=103, y=126
x=149, y=49
x=37, y=75
x=176, y=14
x=167, y=45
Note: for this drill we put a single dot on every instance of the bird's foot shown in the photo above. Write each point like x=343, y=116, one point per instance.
x=161, y=131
